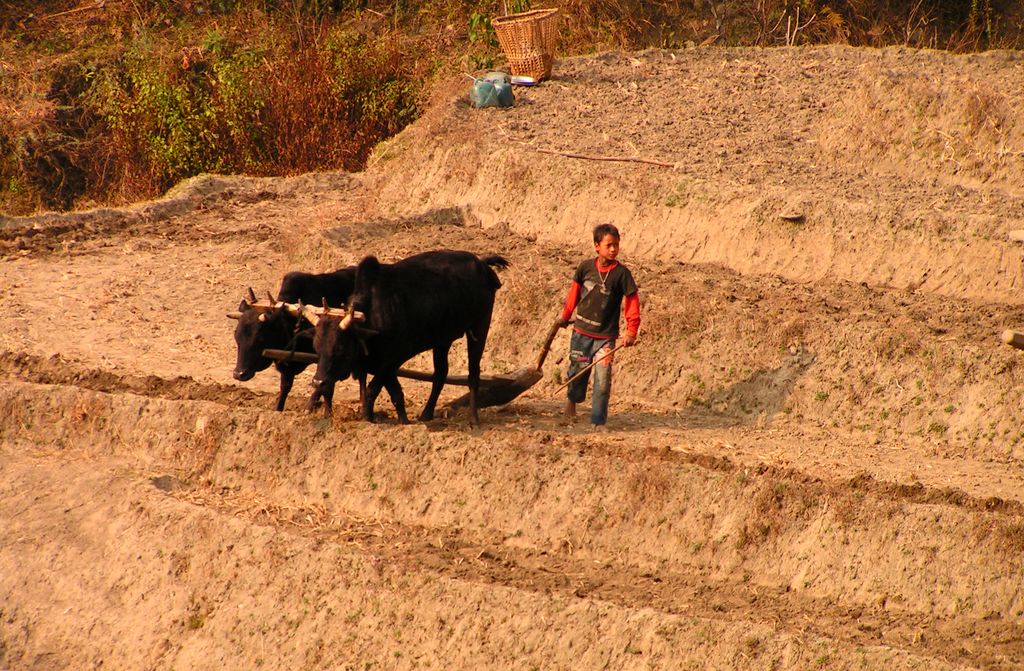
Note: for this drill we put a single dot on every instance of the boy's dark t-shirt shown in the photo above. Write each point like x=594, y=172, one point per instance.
x=601, y=292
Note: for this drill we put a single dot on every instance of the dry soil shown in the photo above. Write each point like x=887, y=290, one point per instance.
x=815, y=458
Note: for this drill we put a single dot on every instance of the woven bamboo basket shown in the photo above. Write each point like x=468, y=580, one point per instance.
x=528, y=41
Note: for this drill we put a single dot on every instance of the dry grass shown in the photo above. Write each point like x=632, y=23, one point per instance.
x=407, y=477
x=17, y=419
x=776, y=504
x=648, y=487
x=90, y=414
x=1005, y=536
x=203, y=443
x=311, y=517
x=957, y=128
x=789, y=332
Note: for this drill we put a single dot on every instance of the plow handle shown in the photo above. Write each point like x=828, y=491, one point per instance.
x=547, y=344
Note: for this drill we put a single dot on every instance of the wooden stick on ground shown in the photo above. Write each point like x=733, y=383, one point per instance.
x=626, y=159
x=96, y=5
x=1013, y=338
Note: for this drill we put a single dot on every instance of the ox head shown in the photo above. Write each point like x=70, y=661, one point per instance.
x=258, y=328
x=338, y=342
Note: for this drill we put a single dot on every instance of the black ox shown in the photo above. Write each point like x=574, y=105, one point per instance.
x=424, y=302
x=278, y=329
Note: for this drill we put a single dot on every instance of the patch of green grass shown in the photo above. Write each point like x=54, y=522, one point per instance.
x=679, y=197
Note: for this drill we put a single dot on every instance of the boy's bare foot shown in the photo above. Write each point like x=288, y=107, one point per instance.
x=599, y=427
x=569, y=414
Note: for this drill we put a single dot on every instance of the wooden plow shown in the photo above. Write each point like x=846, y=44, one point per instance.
x=493, y=390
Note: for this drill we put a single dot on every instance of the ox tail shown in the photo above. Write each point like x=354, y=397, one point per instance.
x=499, y=262
x=493, y=262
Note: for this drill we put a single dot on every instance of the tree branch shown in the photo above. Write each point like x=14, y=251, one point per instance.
x=624, y=159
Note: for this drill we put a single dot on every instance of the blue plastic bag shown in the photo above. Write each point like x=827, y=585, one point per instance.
x=492, y=90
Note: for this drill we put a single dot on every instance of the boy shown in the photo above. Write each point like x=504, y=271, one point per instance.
x=596, y=294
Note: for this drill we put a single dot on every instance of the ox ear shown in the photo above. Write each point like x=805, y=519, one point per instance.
x=369, y=266
x=262, y=317
x=234, y=315
x=366, y=273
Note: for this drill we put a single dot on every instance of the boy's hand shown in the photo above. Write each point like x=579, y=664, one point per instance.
x=562, y=323
x=629, y=340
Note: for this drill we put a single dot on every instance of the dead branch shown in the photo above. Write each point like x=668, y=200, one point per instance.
x=623, y=159
x=96, y=5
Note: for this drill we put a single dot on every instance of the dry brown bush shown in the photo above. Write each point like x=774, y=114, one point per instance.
x=327, y=82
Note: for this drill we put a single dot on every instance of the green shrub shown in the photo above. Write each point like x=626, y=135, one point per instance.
x=161, y=112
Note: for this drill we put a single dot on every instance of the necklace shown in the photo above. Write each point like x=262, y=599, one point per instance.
x=604, y=276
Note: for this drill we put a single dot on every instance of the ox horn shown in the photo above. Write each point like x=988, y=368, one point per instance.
x=326, y=306
x=270, y=297
x=309, y=312
x=300, y=312
x=346, y=321
x=252, y=296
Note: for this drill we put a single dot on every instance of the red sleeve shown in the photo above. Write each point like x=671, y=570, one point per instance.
x=570, y=301
x=633, y=313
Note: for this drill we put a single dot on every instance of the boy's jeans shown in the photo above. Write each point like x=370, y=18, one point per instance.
x=582, y=350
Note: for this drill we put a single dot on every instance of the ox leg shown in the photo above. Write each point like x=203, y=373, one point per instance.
x=475, y=352
x=437, y=384
x=390, y=382
x=326, y=389
x=287, y=380
x=397, y=398
x=361, y=378
x=314, y=399
x=370, y=397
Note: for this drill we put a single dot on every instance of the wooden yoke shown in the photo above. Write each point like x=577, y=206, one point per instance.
x=311, y=313
x=315, y=314
x=254, y=303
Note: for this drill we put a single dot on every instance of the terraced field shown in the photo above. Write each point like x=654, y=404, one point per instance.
x=814, y=458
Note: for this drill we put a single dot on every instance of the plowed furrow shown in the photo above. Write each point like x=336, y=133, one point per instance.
x=57, y=370
x=83, y=238
x=991, y=643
